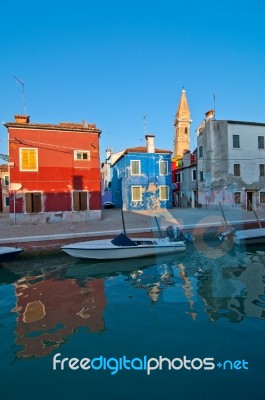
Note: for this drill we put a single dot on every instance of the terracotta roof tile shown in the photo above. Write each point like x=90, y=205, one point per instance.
x=143, y=149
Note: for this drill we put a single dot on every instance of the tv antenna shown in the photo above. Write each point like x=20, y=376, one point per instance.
x=23, y=93
x=214, y=105
x=145, y=124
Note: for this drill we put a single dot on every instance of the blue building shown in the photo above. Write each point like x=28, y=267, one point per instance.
x=141, y=178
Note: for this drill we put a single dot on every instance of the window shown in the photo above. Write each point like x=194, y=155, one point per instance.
x=236, y=169
x=82, y=155
x=261, y=142
x=164, y=192
x=194, y=174
x=163, y=167
x=201, y=176
x=135, y=167
x=136, y=193
x=80, y=200
x=178, y=177
x=28, y=159
x=262, y=197
x=6, y=201
x=236, y=142
x=200, y=151
x=6, y=180
x=237, y=197
x=33, y=202
x=262, y=170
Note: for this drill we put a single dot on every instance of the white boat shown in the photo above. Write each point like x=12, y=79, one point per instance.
x=8, y=253
x=123, y=247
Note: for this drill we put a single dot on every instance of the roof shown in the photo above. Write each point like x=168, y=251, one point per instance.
x=140, y=149
x=3, y=168
x=183, y=110
x=62, y=126
x=143, y=149
x=245, y=123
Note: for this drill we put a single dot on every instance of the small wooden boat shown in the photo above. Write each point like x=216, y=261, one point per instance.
x=123, y=247
x=8, y=253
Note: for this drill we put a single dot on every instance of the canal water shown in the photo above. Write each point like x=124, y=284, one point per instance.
x=179, y=327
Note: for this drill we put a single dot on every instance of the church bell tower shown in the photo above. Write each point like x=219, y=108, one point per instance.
x=182, y=127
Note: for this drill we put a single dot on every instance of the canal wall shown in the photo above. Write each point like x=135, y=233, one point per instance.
x=208, y=228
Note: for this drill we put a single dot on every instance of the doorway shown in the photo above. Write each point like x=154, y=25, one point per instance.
x=249, y=199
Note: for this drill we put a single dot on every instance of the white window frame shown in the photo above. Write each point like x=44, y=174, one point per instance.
x=236, y=138
x=164, y=162
x=139, y=167
x=262, y=140
x=21, y=149
x=192, y=174
x=160, y=191
x=6, y=177
x=140, y=188
x=239, y=170
x=5, y=200
x=87, y=152
x=261, y=194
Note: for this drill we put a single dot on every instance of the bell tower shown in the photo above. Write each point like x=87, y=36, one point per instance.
x=182, y=127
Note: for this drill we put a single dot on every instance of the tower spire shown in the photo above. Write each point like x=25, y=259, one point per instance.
x=182, y=126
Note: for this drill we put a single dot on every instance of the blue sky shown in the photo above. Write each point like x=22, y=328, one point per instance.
x=112, y=62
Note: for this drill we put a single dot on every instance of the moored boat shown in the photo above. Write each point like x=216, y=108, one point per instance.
x=123, y=247
x=8, y=253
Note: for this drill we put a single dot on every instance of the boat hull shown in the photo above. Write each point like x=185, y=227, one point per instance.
x=8, y=253
x=249, y=236
x=105, y=250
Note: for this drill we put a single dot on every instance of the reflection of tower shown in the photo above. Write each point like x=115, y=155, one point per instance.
x=188, y=290
x=182, y=127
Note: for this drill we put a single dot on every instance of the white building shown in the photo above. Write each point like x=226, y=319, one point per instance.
x=231, y=163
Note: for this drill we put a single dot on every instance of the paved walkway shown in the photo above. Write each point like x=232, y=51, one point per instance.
x=111, y=223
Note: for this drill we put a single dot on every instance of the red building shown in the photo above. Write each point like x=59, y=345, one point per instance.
x=54, y=171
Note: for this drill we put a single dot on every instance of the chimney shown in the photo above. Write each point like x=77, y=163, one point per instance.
x=209, y=114
x=150, y=143
x=22, y=119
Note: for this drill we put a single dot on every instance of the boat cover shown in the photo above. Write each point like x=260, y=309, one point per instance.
x=123, y=240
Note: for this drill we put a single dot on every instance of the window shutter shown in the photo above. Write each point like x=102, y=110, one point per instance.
x=29, y=205
x=83, y=201
x=76, y=204
x=36, y=200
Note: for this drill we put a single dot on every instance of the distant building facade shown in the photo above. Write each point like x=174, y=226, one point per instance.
x=4, y=188
x=141, y=178
x=231, y=163
x=54, y=171
x=184, y=178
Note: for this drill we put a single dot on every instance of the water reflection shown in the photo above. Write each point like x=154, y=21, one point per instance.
x=54, y=296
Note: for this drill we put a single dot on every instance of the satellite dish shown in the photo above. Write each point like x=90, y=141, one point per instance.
x=15, y=186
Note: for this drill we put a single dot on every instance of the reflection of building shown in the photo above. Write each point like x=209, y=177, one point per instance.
x=4, y=188
x=231, y=163
x=54, y=171
x=233, y=292
x=51, y=310
x=142, y=178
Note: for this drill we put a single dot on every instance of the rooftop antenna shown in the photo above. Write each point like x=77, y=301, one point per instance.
x=214, y=105
x=23, y=92
x=145, y=124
